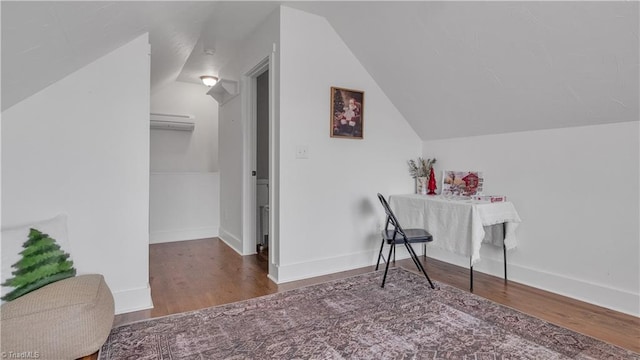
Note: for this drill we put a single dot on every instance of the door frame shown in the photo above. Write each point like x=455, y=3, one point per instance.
x=249, y=216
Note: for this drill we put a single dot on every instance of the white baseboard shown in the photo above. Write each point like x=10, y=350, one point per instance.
x=615, y=299
x=598, y=294
x=231, y=240
x=325, y=266
x=273, y=271
x=182, y=234
x=133, y=300
x=273, y=279
x=319, y=267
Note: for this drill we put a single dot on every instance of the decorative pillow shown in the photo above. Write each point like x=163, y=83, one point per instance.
x=42, y=263
x=14, y=237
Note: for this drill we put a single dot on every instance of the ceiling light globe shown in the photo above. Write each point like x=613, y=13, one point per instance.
x=209, y=80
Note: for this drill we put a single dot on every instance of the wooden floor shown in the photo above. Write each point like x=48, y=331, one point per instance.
x=196, y=274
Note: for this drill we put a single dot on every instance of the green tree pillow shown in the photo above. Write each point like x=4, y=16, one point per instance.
x=42, y=263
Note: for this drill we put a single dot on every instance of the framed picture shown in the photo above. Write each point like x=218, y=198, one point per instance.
x=462, y=183
x=347, y=113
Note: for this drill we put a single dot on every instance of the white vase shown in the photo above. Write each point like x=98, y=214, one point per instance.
x=421, y=185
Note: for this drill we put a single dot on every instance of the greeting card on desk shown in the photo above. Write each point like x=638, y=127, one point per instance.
x=465, y=183
x=489, y=198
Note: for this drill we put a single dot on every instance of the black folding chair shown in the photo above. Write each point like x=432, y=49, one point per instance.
x=397, y=235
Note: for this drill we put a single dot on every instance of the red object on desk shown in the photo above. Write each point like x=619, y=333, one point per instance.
x=432, y=183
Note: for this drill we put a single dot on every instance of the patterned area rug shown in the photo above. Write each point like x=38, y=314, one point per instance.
x=354, y=318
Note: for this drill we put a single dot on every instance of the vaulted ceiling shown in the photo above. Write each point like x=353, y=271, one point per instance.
x=451, y=68
x=43, y=42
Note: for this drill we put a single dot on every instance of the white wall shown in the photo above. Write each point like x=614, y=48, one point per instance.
x=234, y=131
x=576, y=190
x=185, y=151
x=329, y=213
x=183, y=206
x=81, y=147
x=184, y=198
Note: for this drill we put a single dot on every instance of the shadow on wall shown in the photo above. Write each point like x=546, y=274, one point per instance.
x=370, y=224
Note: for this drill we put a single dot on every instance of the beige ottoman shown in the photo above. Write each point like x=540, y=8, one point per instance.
x=68, y=319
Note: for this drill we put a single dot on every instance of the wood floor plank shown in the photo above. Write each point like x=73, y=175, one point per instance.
x=195, y=274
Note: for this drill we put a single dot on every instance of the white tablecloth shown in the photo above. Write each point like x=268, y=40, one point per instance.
x=458, y=226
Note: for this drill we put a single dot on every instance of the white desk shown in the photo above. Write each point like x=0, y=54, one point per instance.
x=459, y=226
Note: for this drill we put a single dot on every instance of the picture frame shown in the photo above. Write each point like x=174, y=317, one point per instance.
x=462, y=183
x=347, y=113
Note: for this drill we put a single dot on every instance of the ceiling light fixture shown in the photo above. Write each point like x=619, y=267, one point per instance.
x=209, y=80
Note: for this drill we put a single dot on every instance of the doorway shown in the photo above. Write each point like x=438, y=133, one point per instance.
x=260, y=188
x=262, y=163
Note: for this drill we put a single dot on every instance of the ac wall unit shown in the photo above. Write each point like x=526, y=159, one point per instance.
x=172, y=122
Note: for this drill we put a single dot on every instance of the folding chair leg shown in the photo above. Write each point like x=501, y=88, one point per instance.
x=415, y=259
x=504, y=250
x=394, y=253
x=417, y=262
x=470, y=275
x=380, y=254
x=386, y=269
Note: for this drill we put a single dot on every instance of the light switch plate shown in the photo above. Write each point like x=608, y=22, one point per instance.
x=302, y=152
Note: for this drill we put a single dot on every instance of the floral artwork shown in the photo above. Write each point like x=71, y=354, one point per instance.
x=347, y=118
x=462, y=183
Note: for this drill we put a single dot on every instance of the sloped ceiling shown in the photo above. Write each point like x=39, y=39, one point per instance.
x=230, y=23
x=458, y=69
x=42, y=42
x=452, y=68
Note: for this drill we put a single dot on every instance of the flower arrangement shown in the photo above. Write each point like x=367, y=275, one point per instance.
x=420, y=168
